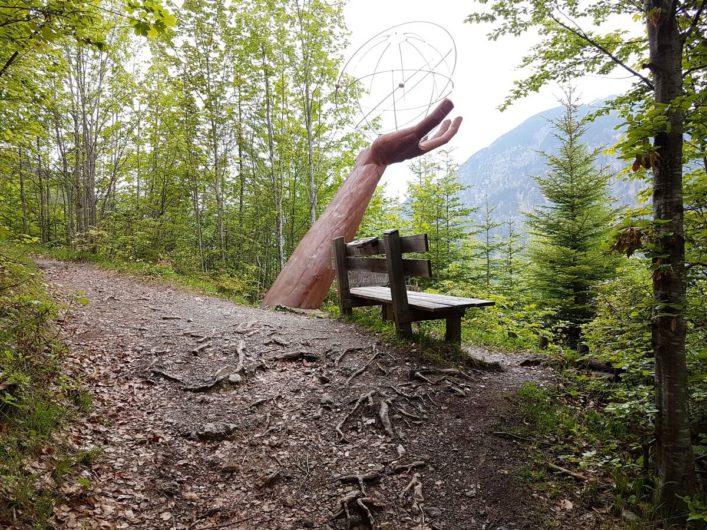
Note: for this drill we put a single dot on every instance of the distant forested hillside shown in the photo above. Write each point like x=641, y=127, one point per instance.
x=505, y=169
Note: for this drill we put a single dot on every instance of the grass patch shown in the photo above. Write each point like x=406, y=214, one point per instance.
x=35, y=398
x=570, y=425
x=427, y=340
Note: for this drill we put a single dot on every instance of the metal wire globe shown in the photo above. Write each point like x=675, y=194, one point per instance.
x=399, y=75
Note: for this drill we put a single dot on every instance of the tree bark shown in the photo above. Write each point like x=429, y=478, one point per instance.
x=43, y=199
x=23, y=197
x=674, y=445
x=277, y=189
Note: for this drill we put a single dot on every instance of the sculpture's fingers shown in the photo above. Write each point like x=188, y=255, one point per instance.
x=441, y=139
x=440, y=130
x=434, y=118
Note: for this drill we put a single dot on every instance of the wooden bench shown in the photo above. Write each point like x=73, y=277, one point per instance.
x=397, y=303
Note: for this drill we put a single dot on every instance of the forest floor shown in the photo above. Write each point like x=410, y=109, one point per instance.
x=211, y=415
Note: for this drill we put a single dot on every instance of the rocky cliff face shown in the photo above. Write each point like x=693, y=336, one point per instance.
x=505, y=169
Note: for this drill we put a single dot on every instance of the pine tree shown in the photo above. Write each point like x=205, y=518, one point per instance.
x=435, y=209
x=489, y=246
x=566, y=255
x=510, y=250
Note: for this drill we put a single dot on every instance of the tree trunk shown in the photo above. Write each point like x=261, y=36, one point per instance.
x=66, y=181
x=277, y=190
x=310, y=156
x=241, y=179
x=23, y=196
x=674, y=445
x=138, y=176
x=43, y=199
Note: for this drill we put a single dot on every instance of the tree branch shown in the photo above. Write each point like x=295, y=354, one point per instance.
x=578, y=32
x=695, y=21
x=693, y=69
x=9, y=62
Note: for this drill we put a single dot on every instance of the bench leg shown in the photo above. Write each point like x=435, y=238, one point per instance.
x=404, y=329
x=346, y=311
x=387, y=312
x=454, y=329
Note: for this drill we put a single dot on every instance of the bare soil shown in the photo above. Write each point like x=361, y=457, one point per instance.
x=211, y=415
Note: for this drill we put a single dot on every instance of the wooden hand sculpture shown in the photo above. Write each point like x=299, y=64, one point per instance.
x=307, y=276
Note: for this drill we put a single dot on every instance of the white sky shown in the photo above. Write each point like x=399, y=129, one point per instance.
x=484, y=74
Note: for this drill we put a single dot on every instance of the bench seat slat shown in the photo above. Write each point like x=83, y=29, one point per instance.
x=382, y=294
x=457, y=300
x=425, y=301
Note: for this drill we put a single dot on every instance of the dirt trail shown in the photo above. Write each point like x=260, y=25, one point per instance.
x=212, y=415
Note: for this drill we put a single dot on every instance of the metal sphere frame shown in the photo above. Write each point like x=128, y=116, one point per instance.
x=411, y=77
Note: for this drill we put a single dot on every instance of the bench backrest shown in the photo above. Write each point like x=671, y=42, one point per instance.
x=357, y=256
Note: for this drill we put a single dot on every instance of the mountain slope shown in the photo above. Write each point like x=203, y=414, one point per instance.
x=505, y=169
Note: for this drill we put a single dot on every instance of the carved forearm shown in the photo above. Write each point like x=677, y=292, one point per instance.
x=305, y=279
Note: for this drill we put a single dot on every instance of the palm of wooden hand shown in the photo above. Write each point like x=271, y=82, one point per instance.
x=413, y=141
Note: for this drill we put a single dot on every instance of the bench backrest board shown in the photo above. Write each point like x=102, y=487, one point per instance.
x=356, y=256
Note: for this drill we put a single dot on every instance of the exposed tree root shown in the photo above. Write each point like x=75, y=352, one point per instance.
x=456, y=390
x=406, y=468
x=344, y=353
x=369, y=397
x=512, y=436
x=276, y=340
x=383, y=415
x=401, y=393
x=227, y=373
x=367, y=511
x=404, y=412
x=430, y=370
x=415, y=487
x=240, y=349
x=361, y=479
x=414, y=374
x=567, y=472
x=363, y=368
x=297, y=355
x=357, y=499
x=166, y=375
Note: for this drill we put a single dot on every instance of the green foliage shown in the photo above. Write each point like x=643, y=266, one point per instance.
x=481, y=252
x=697, y=508
x=569, y=427
x=149, y=18
x=434, y=208
x=33, y=396
x=566, y=254
x=383, y=213
x=194, y=157
x=620, y=335
x=602, y=425
x=514, y=323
